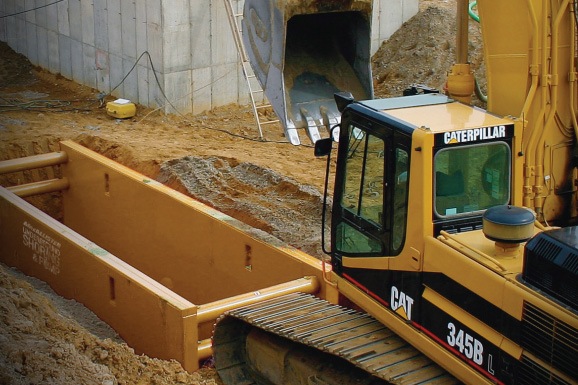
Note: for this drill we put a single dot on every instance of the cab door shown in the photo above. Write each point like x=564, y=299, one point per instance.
x=369, y=216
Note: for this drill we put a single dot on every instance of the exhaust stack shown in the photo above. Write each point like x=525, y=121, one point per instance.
x=303, y=52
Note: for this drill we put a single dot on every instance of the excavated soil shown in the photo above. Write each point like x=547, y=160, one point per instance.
x=257, y=196
x=45, y=339
x=216, y=157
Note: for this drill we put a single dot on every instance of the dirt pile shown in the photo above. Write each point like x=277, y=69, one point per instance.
x=42, y=342
x=216, y=157
x=257, y=196
x=423, y=50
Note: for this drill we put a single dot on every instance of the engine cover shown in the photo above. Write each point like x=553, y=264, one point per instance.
x=551, y=264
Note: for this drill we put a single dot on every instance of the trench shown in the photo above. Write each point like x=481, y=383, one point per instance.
x=273, y=204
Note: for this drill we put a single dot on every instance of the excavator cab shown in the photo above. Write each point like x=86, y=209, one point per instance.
x=302, y=53
x=469, y=169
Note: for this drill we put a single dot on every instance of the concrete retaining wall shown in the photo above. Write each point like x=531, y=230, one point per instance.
x=188, y=52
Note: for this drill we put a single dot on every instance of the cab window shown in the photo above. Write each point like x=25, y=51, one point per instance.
x=471, y=178
x=375, y=174
x=362, y=197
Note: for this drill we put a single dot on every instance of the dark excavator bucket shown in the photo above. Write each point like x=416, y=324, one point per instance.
x=303, y=52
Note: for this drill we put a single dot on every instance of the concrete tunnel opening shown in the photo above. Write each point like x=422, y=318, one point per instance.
x=325, y=53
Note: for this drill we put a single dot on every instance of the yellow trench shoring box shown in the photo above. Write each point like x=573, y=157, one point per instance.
x=143, y=256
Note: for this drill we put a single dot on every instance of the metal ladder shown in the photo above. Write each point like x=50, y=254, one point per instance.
x=252, y=83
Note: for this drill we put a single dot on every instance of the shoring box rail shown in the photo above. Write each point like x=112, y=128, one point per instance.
x=140, y=255
x=32, y=162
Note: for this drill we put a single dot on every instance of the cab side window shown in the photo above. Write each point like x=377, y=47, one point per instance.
x=363, y=194
x=373, y=206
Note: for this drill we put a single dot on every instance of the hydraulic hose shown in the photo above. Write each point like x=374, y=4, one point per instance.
x=540, y=172
x=479, y=94
x=530, y=97
x=532, y=160
x=573, y=79
x=471, y=12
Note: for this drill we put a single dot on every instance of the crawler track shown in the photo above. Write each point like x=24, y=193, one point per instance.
x=332, y=330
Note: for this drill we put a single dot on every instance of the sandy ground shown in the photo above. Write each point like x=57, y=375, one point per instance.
x=216, y=157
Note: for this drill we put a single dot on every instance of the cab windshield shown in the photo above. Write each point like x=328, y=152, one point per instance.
x=472, y=178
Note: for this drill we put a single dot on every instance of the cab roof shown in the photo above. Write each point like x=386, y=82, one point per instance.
x=437, y=112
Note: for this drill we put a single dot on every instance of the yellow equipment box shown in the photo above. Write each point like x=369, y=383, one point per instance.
x=121, y=108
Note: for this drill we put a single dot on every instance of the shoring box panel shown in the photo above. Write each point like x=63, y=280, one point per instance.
x=194, y=250
x=149, y=317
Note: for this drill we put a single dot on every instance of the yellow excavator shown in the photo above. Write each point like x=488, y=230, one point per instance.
x=454, y=242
